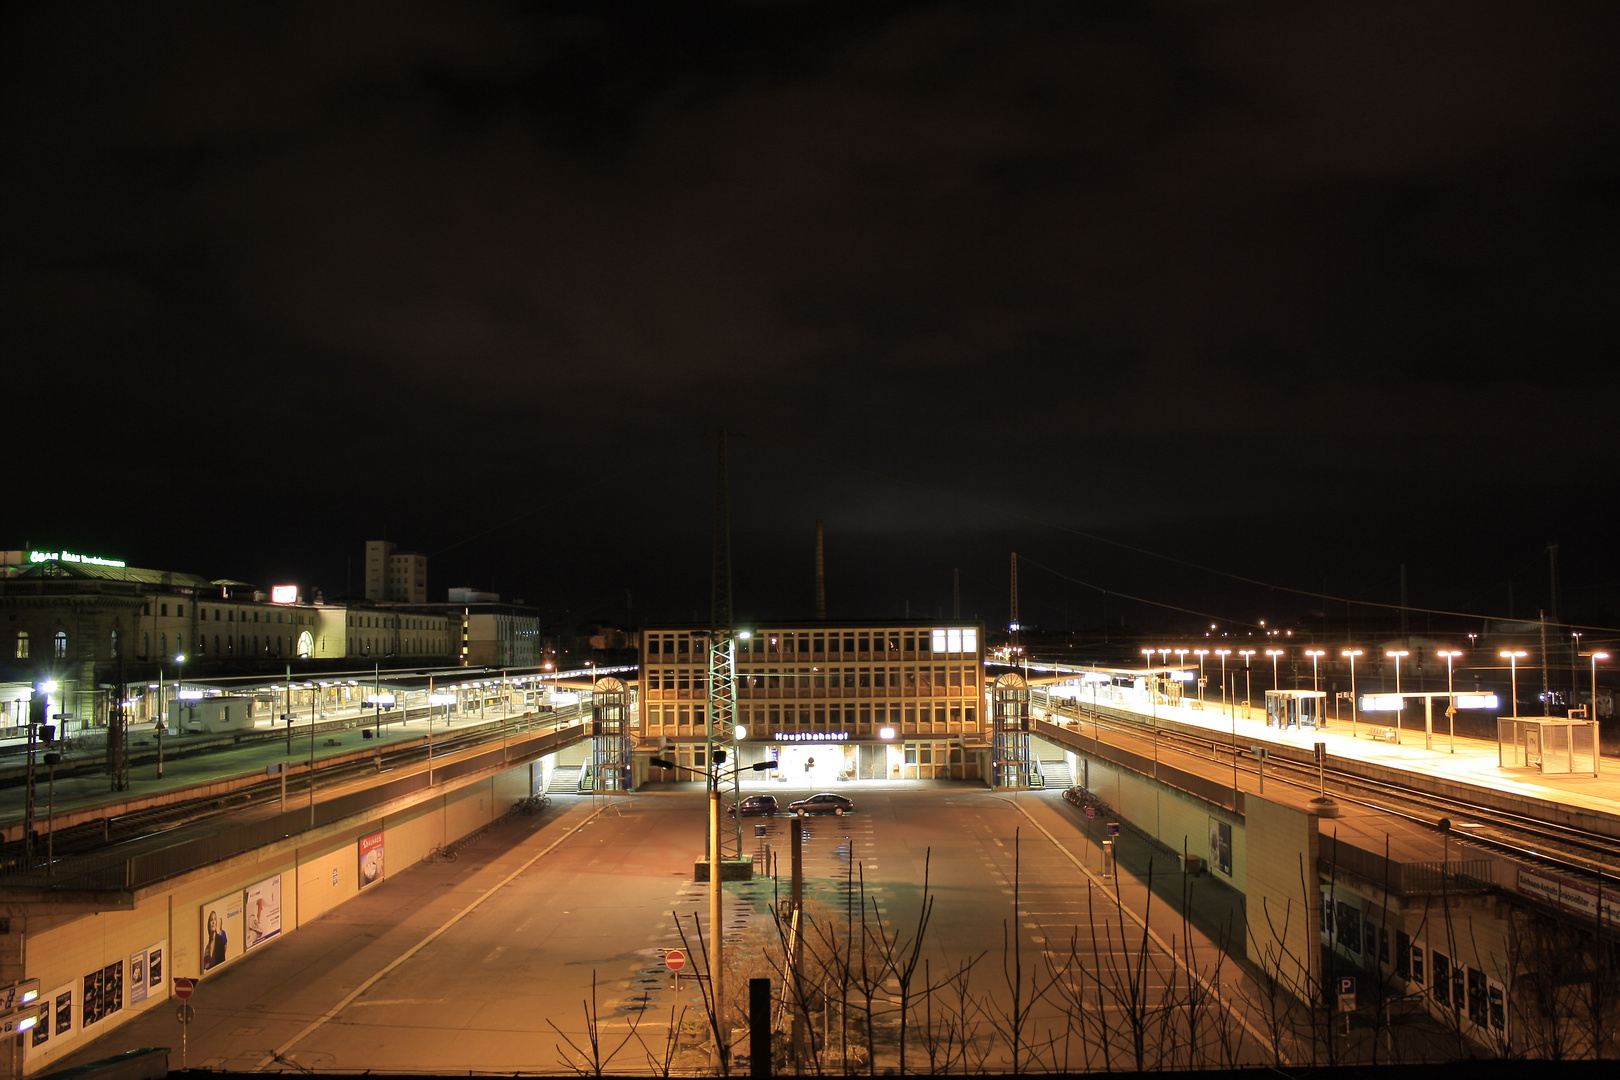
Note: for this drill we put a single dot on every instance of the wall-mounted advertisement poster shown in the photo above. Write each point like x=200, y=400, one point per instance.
x=137, y=977
x=371, y=859
x=261, y=905
x=103, y=992
x=221, y=931
x=146, y=973
x=1220, y=846
x=57, y=1019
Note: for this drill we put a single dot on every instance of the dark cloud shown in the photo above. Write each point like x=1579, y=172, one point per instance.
x=1241, y=283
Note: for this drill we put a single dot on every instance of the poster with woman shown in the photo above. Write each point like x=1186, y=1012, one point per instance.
x=371, y=859
x=221, y=931
x=261, y=904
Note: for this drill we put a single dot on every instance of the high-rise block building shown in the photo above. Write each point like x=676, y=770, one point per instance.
x=394, y=576
x=829, y=701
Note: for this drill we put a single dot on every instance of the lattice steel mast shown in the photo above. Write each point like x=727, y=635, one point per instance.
x=722, y=664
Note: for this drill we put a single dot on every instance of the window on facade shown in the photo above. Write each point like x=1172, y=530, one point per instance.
x=180, y=609
x=22, y=644
x=163, y=609
x=1442, y=978
x=60, y=642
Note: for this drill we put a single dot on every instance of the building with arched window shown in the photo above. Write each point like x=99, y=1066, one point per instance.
x=87, y=611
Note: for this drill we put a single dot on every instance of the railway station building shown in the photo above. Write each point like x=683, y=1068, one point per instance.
x=894, y=699
x=92, y=626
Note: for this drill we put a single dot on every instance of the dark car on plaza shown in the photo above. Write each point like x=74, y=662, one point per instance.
x=755, y=806
x=825, y=802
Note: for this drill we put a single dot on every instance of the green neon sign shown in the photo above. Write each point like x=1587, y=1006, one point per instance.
x=70, y=556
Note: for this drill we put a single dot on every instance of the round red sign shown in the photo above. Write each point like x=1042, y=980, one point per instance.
x=183, y=988
x=675, y=959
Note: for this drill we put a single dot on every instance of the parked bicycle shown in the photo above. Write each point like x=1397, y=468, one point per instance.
x=443, y=852
x=534, y=804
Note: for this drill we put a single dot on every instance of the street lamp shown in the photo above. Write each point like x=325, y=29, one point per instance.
x=716, y=894
x=1248, y=686
x=163, y=720
x=1153, y=706
x=1223, y=654
x=1200, y=653
x=1274, y=654
x=1513, y=656
x=1597, y=758
x=1451, y=698
x=1400, y=705
x=1351, y=655
x=1316, y=684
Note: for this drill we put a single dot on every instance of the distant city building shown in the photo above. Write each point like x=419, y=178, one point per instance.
x=92, y=627
x=465, y=595
x=602, y=638
x=879, y=700
x=394, y=576
x=492, y=634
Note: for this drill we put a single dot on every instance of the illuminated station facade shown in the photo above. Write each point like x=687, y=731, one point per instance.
x=892, y=699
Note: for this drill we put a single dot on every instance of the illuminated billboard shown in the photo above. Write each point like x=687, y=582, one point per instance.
x=284, y=594
x=70, y=556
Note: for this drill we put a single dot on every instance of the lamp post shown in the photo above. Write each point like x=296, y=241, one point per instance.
x=1316, y=685
x=1400, y=705
x=1351, y=655
x=179, y=685
x=1274, y=654
x=1223, y=654
x=711, y=776
x=1200, y=653
x=1513, y=656
x=1153, y=706
x=287, y=711
x=1597, y=757
x=1451, y=697
x=1248, y=685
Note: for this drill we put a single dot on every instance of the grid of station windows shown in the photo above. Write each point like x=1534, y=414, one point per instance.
x=834, y=678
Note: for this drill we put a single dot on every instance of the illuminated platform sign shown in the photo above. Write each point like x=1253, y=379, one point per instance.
x=73, y=556
x=1478, y=701
x=1380, y=703
x=284, y=594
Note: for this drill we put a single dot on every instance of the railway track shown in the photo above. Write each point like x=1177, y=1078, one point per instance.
x=104, y=835
x=1530, y=839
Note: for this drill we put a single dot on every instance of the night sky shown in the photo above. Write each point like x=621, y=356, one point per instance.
x=1160, y=295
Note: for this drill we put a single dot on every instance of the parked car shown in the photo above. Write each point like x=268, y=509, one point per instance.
x=825, y=802
x=755, y=806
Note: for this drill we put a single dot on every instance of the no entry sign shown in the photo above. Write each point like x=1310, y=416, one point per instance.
x=675, y=959
x=183, y=988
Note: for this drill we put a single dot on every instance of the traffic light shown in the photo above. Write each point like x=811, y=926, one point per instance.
x=37, y=706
